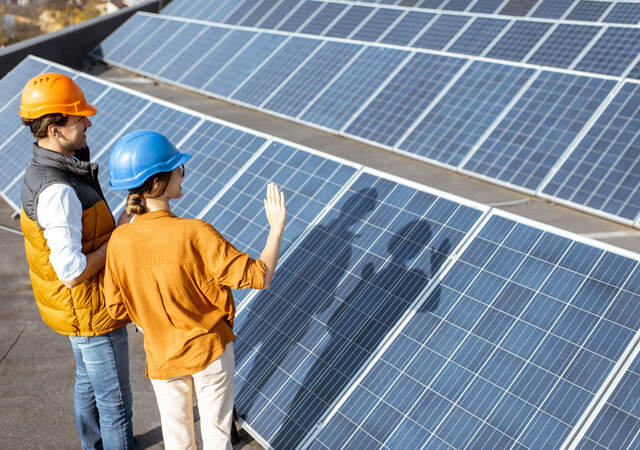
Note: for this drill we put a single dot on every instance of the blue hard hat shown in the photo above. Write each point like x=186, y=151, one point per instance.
x=139, y=155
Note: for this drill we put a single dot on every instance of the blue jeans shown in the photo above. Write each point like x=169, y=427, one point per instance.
x=102, y=392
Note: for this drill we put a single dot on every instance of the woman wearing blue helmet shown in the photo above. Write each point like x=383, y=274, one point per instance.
x=173, y=277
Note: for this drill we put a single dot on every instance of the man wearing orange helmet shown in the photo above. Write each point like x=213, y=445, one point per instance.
x=67, y=223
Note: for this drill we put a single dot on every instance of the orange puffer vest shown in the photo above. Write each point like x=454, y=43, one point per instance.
x=79, y=311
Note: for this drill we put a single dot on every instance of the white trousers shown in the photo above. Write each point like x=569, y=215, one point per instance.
x=214, y=390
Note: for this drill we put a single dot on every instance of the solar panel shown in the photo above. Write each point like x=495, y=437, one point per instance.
x=450, y=130
x=588, y=10
x=564, y=45
x=457, y=5
x=349, y=21
x=617, y=424
x=486, y=6
x=244, y=63
x=341, y=100
x=613, y=52
x=269, y=77
x=552, y=9
x=408, y=28
x=440, y=32
x=635, y=72
x=506, y=351
x=219, y=14
x=624, y=12
x=603, y=172
x=174, y=40
x=259, y=13
x=517, y=7
x=341, y=290
x=538, y=129
x=299, y=16
x=240, y=12
x=518, y=41
x=216, y=57
x=277, y=15
x=127, y=36
x=390, y=114
x=316, y=74
x=376, y=24
x=327, y=14
x=478, y=36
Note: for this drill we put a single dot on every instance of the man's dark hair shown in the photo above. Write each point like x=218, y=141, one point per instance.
x=40, y=125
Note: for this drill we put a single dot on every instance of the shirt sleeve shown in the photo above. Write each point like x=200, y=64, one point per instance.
x=59, y=213
x=228, y=266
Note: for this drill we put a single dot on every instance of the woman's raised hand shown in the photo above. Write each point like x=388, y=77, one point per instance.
x=274, y=207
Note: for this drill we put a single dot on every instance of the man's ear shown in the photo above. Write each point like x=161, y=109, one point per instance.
x=53, y=131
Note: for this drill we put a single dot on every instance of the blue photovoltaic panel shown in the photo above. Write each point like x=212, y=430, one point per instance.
x=240, y=12
x=13, y=83
x=197, y=9
x=211, y=62
x=169, y=47
x=433, y=4
x=220, y=13
x=618, y=422
x=552, y=9
x=323, y=18
x=377, y=24
x=478, y=36
x=336, y=296
x=244, y=63
x=170, y=122
x=506, y=352
x=409, y=2
x=486, y=6
x=299, y=16
x=588, y=10
x=219, y=153
x=613, y=52
x=308, y=181
x=603, y=172
x=440, y=32
x=624, y=12
x=404, y=98
x=519, y=40
x=517, y=7
x=302, y=88
x=129, y=33
x=278, y=14
x=165, y=30
x=188, y=57
x=539, y=128
x=635, y=72
x=457, y=5
x=564, y=45
x=346, y=94
x=457, y=122
x=271, y=75
x=259, y=13
x=408, y=28
x=349, y=21
x=145, y=26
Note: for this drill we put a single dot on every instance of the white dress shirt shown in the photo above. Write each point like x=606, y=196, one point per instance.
x=59, y=213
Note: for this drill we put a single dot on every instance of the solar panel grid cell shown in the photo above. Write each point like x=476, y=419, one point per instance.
x=277, y=15
x=539, y=128
x=119, y=49
x=518, y=7
x=259, y=13
x=552, y=9
x=486, y=6
x=107, y=47
x=219, y=14
x=300, y=16
x=602, y=172
x=320, y=21
x=162, y=31
x=243, y=10
x=171, y=45
x=457, y=5
x=349, y=21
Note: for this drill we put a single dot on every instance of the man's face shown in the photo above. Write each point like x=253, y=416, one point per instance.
x=72, y=135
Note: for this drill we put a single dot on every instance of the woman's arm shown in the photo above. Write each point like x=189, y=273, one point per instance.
x=276, y=212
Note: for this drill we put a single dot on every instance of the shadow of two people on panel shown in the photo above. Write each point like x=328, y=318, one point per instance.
x=317, y=304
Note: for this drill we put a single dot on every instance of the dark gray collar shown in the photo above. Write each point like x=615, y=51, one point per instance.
x=79, y=166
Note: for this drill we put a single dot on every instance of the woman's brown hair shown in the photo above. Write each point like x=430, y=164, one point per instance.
x=154, y=187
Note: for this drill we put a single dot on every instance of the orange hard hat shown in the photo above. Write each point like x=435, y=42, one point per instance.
x=53, y=93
